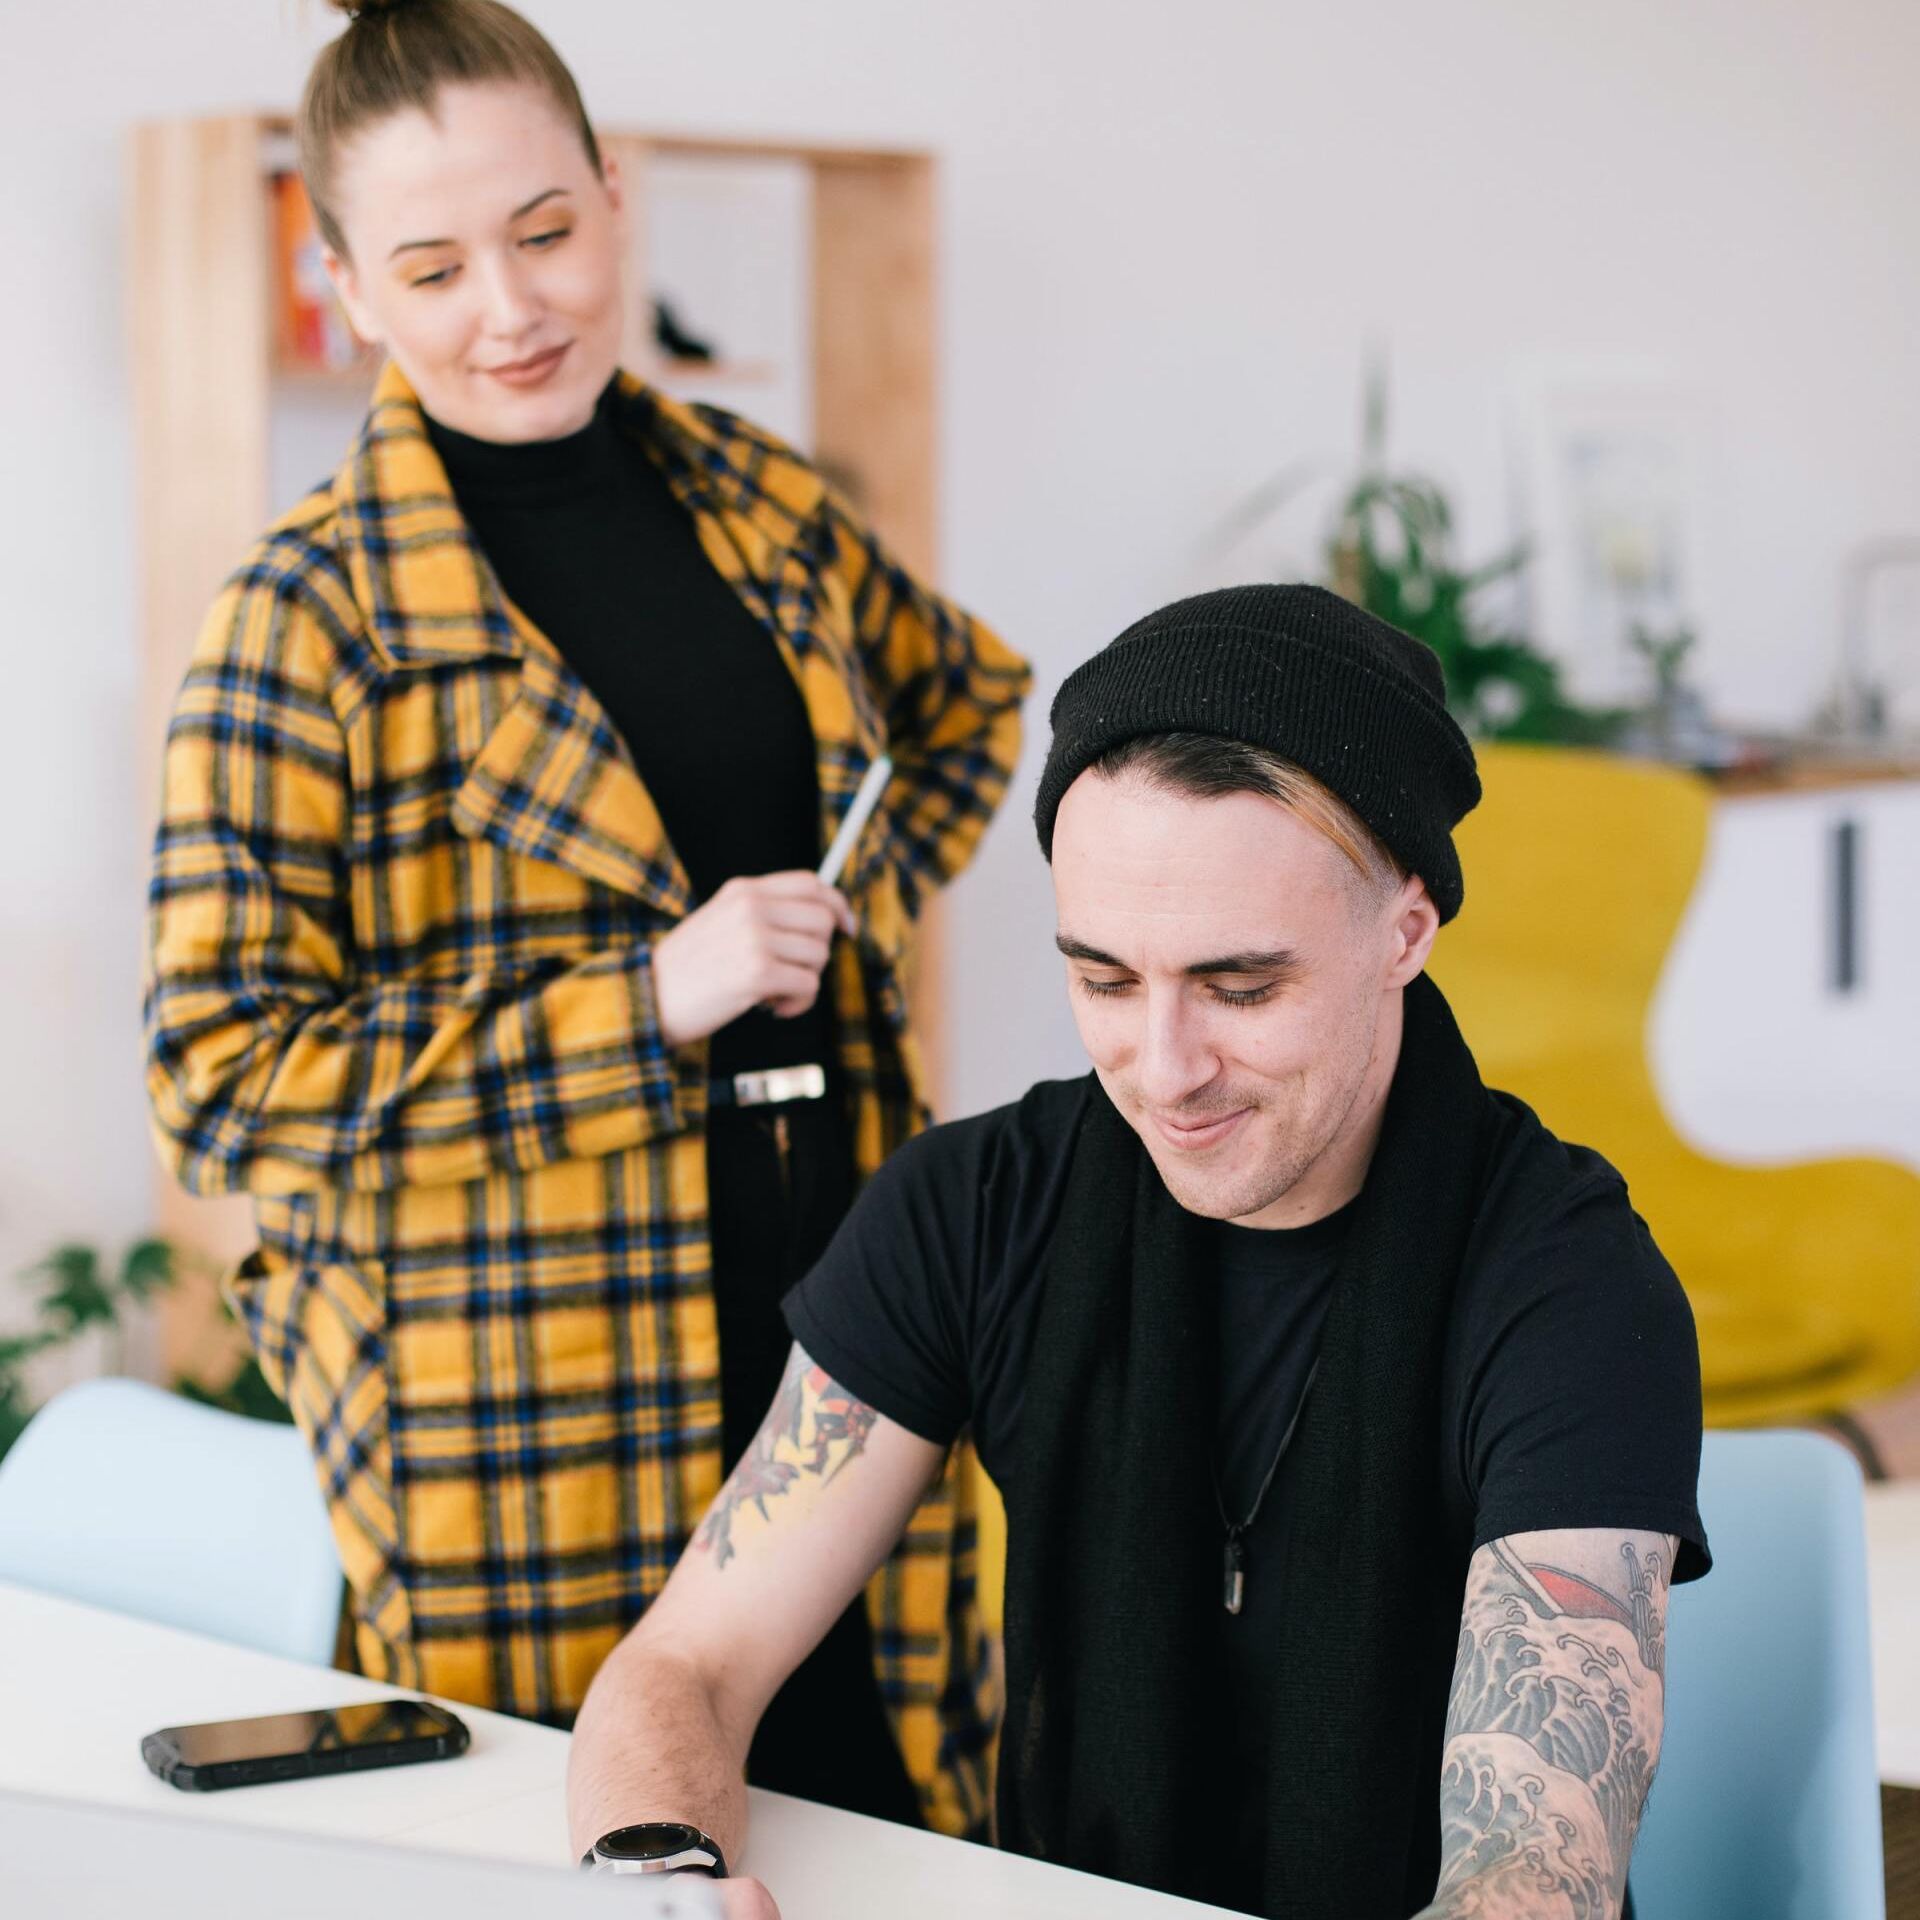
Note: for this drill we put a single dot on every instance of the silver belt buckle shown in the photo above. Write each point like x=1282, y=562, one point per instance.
x=777, y=1085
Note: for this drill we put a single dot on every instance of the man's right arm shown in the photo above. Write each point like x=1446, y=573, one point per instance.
x=812, y=1509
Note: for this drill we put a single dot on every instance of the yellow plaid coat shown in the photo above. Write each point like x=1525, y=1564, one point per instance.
x=403, y=897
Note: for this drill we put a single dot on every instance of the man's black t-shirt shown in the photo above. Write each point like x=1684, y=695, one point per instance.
x=1569, y=1387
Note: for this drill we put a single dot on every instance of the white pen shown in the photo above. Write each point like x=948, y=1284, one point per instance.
x=865, y=799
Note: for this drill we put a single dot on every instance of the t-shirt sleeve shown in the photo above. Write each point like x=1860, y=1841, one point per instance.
x=1583, y=1401
x=886, y=1307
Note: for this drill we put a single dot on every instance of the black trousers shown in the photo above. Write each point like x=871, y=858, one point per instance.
x=826, y=1736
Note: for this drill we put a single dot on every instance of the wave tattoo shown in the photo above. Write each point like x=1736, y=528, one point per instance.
x=1553, y=1728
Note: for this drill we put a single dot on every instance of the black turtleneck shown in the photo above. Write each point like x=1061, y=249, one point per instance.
x=593, y=546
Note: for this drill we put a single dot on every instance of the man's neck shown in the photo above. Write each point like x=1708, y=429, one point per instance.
x=1340, y=1171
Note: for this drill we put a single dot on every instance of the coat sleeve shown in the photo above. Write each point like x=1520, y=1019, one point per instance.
x=950, y=690
x=272, y=1065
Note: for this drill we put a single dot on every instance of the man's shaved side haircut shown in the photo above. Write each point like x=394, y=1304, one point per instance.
x=1206, y=766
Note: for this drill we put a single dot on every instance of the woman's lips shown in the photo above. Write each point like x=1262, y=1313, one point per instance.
x=1196, y=1138
x=533, y=370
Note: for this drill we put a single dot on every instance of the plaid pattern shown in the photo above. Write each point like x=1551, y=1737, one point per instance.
x=403, y=897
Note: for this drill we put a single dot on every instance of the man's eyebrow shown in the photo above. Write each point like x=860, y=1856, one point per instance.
x=1079, y=950
x=1274, y=960
x=539, y=199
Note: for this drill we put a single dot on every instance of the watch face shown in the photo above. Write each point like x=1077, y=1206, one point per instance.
x=651, y=1840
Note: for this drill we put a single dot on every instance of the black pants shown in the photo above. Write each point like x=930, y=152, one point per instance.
x=826, y=1736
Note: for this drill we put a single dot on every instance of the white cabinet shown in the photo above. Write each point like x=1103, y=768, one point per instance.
x=1787, y=1023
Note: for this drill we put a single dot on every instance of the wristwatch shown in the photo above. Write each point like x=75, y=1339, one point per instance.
x=656, y=1846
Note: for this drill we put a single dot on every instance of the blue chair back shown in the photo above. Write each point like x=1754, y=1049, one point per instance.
x=134, y=1499
x=1767, y=1802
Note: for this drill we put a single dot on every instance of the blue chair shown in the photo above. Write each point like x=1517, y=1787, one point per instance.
x=130, y=1498
x=1767, y=1802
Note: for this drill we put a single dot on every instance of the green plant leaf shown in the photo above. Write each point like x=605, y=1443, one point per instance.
x=75, y=1297
x=1389, y=549
x=14, y=1415
x=17, y=1349
x=1501, y=567
x=246, y=1392
x=148, y=1267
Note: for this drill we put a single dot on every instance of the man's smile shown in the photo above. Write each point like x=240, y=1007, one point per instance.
x=1196, y=1134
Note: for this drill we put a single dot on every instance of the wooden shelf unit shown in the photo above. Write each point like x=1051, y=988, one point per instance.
x=200, y=251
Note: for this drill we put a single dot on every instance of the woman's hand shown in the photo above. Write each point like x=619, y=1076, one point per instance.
x=757, y=942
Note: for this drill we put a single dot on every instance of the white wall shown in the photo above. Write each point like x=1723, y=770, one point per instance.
x=1170, y=232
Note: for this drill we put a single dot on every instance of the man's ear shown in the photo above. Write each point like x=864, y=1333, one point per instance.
x=346, y=283
x=1415, y=922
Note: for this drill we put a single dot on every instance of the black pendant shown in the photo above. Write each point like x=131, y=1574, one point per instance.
x=1235, y=1585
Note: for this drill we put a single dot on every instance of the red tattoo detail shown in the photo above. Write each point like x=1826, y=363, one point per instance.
x=1581, y=1598
x=838, y=1420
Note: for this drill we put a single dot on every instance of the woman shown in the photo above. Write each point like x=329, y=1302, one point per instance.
x=486, y=950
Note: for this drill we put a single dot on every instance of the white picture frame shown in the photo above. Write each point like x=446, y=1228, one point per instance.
x=1610, y=465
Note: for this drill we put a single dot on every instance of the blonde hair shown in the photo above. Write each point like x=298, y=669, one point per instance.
x=398, y=54
x=1206, y=766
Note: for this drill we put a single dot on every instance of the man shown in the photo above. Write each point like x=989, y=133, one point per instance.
x=1348, y=1421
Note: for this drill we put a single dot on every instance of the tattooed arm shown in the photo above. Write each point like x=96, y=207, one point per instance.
x=813, y=1507
x=1553, y=1730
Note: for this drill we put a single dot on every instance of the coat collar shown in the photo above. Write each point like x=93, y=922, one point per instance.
x=553, y=781
x=427, y=590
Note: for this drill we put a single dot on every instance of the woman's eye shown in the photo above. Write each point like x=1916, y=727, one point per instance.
x=546, y=240
x=438, y=278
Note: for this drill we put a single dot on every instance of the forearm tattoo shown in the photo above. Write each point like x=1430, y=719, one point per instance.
x=815, y=1426
x=1553, y=1729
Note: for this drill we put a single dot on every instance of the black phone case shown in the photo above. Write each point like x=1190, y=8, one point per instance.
x=163, y=1759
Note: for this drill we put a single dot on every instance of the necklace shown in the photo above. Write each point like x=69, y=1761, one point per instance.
x=1234, y=1584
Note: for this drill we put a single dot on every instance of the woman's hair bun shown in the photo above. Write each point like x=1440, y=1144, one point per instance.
x=353, y=9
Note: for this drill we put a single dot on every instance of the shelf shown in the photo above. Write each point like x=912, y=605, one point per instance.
x=1813, y=770
x=356, y=379
x=277, y=147
x=732, y=373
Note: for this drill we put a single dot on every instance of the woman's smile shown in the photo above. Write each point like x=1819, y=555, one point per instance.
x=535, y=370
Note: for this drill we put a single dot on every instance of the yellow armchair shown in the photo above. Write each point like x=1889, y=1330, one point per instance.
x=1804, y=1279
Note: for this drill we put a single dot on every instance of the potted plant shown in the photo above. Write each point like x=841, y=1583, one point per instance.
x=1391, y=550
x=80, y=1295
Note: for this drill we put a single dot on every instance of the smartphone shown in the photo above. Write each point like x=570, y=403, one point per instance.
x=292, y=1746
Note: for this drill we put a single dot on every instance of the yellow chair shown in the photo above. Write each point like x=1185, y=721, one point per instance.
x=1804, y=1279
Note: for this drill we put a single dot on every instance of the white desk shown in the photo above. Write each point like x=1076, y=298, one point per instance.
x=1893, y=1592
x=79, y=1687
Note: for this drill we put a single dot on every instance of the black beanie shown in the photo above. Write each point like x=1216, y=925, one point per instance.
x=1308, y=676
